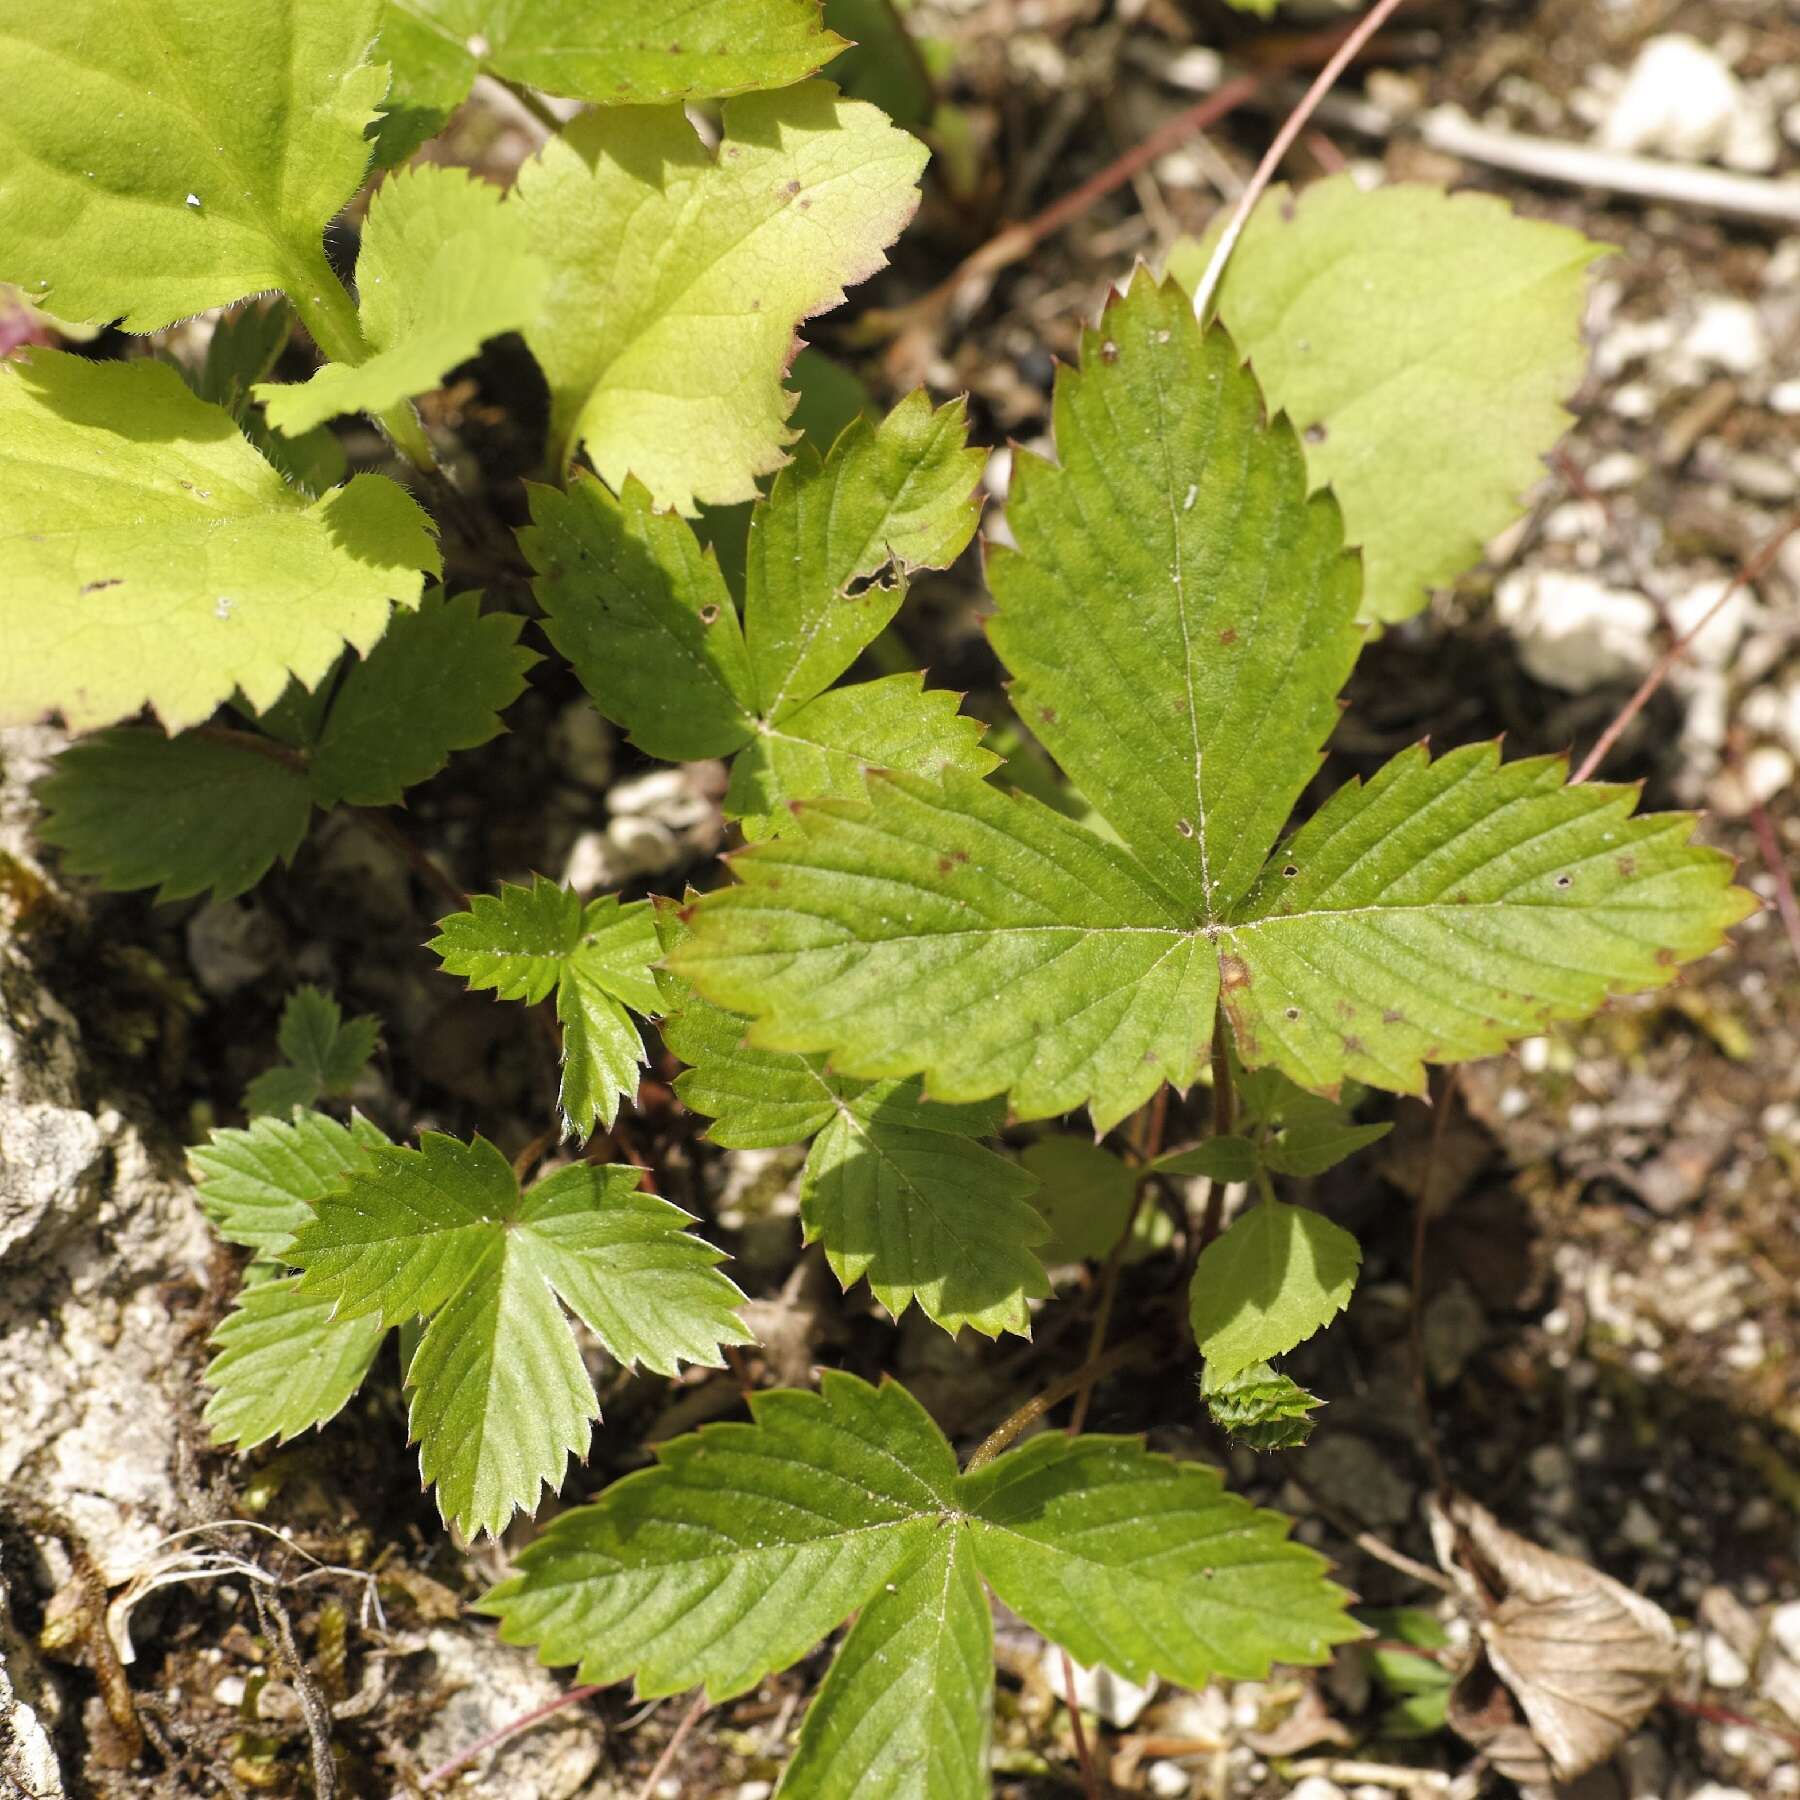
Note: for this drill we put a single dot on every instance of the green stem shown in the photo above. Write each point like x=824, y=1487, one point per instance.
x=329, y=315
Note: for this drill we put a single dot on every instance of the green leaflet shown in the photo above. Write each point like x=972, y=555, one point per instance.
x=1087, y=1200
x=443, y=267
x=500, y=1397
x=679, y=276
x=1179, y=615
x=152, y=557
x=220, y=167
x=907, y=1708
x=198, y=811
x=1278, y=1275
x=1423, y=342
x=525, y=943
x=748, y=1542
x=884, y=64
x=182, y=814
x=1459, y=905
x=647, y=620
x=260, y=1186
x=322, y=1055
x=895, y=1186
x=626, y=53
x=284, y=1363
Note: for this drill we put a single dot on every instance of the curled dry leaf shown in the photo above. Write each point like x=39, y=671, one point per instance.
x=1584, y=1656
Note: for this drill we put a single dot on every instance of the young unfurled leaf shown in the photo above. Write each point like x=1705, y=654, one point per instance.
x=261, y=1185
x=152, y=168
x=324, y=1055
x=1301, y=1133
x=524, y=943
x=1423, y=342
x=748, y=1542
x=679, y=276
x=1179, y=619
x=625, y=53
x=648, y=623
x=285, y=1363
x=442, y=268
x=500, y=1397
x=896, y=1188
x=1088, y=1198
x=1259, y=1408
x=197, y=811
x=908, y=1705
x=151, y=556
x=1275, y=1277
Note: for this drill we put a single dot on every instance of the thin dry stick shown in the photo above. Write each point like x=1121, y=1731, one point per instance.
x=688, y=1721
x=501, y=1733
x=1083, y=1755
x=1753, y=570
x=1013, y=243
x=1054, y=1395
x=1770, y=845
x=1347, y=52
x=1416, y=1322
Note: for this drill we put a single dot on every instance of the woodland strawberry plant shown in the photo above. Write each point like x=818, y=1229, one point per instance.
x=912, y=956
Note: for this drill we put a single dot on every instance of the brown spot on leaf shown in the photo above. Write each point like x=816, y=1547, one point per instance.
x=1315, y=432
x=1665, y=956
x=1462, y=899
x=1393, y=1016
x=1234, y=973
x=1047, y=714
x=1353, y=1046
x=959, y=856
x=1228, y=636
x=93, y=587
x=1627, y=866
x=1346, y=1010
x=946, y=864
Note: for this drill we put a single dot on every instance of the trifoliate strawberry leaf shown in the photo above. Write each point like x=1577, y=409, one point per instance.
x=436, y=683
x=135, y=809
x=325, y=1054
x=747, y=1543
x=741, y=1548
x=1088, y=1197
x=907, y=1708
x=151, y=556
x=1450, y=907
x=1179, y=615
x=895, y=1187
x=442, y=268
x=1279, y=1274
x=627, y=53
x=679, y=275
x=152, y=168
x=524, y=943
x=645, y=617
x=1424, y=343
x=260, y=1186
x=1147, y=1565
x=1259, y=1408
x=284, y=1363
x=500, y=1396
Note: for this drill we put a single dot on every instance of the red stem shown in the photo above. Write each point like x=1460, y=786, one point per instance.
x=463, y=1758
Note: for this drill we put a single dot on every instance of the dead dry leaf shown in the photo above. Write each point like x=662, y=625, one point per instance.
x=1585, y=1657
